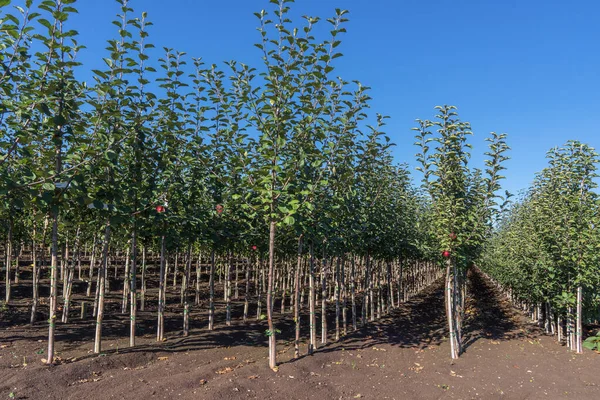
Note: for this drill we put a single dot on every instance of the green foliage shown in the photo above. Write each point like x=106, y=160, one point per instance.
x=270, y=333
x=463, y=200
x=592, y=342
x=546, y=244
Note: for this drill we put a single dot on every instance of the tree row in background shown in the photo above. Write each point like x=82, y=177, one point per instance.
x=544, y=253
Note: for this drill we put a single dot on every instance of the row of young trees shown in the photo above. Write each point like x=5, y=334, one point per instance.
x=464, y=202
x=545, y=250
x=274, y=168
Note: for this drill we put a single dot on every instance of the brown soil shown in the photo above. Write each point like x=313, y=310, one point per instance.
x=403, y=356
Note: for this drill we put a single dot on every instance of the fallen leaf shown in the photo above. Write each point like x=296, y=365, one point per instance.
x=225, y=370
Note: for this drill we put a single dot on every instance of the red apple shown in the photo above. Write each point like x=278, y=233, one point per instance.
x=452, y=236
x=160, y=209
x=446, y=254
x=219, y=208
x=254, y=247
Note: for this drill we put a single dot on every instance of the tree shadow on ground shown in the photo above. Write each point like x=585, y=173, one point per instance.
x=489, y=315
x=417, y=323
x=421, y=321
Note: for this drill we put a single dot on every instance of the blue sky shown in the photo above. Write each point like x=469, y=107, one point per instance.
x=530, y=68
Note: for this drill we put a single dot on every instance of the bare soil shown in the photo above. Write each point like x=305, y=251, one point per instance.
x=405, y=355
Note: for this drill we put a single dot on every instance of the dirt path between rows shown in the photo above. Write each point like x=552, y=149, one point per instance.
x=403, y=356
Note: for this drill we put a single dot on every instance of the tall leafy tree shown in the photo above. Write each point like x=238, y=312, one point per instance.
x=462, y=199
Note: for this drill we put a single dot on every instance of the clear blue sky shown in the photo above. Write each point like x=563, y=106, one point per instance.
x=530, y=68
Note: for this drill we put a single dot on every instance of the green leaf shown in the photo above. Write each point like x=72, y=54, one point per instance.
x=48, y=186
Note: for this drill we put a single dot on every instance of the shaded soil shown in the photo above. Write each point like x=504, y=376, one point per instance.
x=405, y=355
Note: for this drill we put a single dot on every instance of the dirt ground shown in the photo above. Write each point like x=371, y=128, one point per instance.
x=403, y=356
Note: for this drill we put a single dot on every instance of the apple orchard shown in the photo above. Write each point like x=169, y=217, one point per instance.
x=230, y=193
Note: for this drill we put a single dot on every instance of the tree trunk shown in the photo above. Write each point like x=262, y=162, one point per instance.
x=102, y=273
x=337, y=299
x=247, y=291
x=88, y=292
x=229, y=271
x=186, y=302
x=272, y=336
x=53, y=287
x=35, y=277
x=160, y=334
x=211, y=295
x=312, y=303
x=8, y=260
x=70, y=278
x=133, y=287
x=353, y=292
x=126, y=281
x=175, y=268
x=450, y=308
x=143, y=291
x=578, y=323
x=198, y=277
x=297, y=299
x=324, y=300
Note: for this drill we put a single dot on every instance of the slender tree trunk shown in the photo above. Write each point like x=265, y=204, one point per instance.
x=97, y=295
x=297, y=299
x=198, y=277
x=344, y=296
x=75, y=259
x=324, y=266
x=337, y=299
x=259, y=287
x=175, y=270
x=247, y=291
x=229, y=272
x=450, y=309
x=211, y=294
x=79, y=264
x=63, y=265
x=9, y=240
x=237, y=292
x=126, y=281
x=186, y=302
x=53, y=287
x=272, y=333
x=160, y=334
x=143, y=291
x=18, y=262
x=88, y=292
x=570, y=330
x=133, y=287
x=102, y=273
x=36, y=277
x=578, y=326
x=372, y=302
x=458, y=306
x=353, y=292
x=70, y=276
x=390, y=291
x=559, y=328
x=312, y=303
